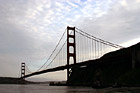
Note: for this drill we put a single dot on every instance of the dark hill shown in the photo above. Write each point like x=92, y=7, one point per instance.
x=121, y=67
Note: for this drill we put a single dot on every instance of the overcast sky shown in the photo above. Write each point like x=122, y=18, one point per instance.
x=30, y=29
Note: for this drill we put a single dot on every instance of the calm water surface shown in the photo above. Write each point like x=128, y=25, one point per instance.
x=40, y=88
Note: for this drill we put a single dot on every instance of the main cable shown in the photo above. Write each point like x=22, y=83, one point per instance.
x=100, y=40
x=27, y=69
x=56, y=54
x=52, y=51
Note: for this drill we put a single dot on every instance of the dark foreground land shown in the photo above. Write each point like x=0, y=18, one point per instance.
x=118, y=68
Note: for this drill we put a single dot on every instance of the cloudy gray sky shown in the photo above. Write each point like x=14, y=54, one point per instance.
x=30, y=29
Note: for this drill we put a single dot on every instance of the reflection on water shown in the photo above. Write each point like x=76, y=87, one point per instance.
x=40, y=88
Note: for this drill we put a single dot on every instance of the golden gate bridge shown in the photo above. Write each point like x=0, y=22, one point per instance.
x=74, y=48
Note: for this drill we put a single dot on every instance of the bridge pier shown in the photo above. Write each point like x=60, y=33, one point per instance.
x=22, y=70
x=70, y=35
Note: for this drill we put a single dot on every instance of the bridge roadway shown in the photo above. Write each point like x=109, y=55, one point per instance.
x=61, y=68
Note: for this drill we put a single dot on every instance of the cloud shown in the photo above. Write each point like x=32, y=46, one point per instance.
x=118, y=25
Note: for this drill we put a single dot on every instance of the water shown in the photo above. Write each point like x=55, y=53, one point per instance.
x=40, y=88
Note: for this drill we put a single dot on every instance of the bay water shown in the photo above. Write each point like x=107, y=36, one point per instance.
x=44, y=88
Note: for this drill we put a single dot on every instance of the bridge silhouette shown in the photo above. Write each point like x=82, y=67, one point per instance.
x=75, y=48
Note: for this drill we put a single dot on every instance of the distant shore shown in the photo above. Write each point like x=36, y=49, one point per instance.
x=11, y=80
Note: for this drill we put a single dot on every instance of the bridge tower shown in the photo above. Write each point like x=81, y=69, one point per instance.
x=22, y=70
x=70, y=43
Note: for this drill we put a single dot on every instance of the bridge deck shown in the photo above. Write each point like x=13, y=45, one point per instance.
x=60, y=68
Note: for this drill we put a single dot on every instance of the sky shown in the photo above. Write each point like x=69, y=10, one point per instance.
x=30, y=29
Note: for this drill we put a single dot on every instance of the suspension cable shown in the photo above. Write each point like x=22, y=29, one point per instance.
x=56, y=54
x=27, y=69
x=52, y=51
x=100, y=40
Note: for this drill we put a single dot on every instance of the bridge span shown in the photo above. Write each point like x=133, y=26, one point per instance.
x=76, y=50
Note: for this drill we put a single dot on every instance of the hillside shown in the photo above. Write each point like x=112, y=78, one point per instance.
x=121, y=67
